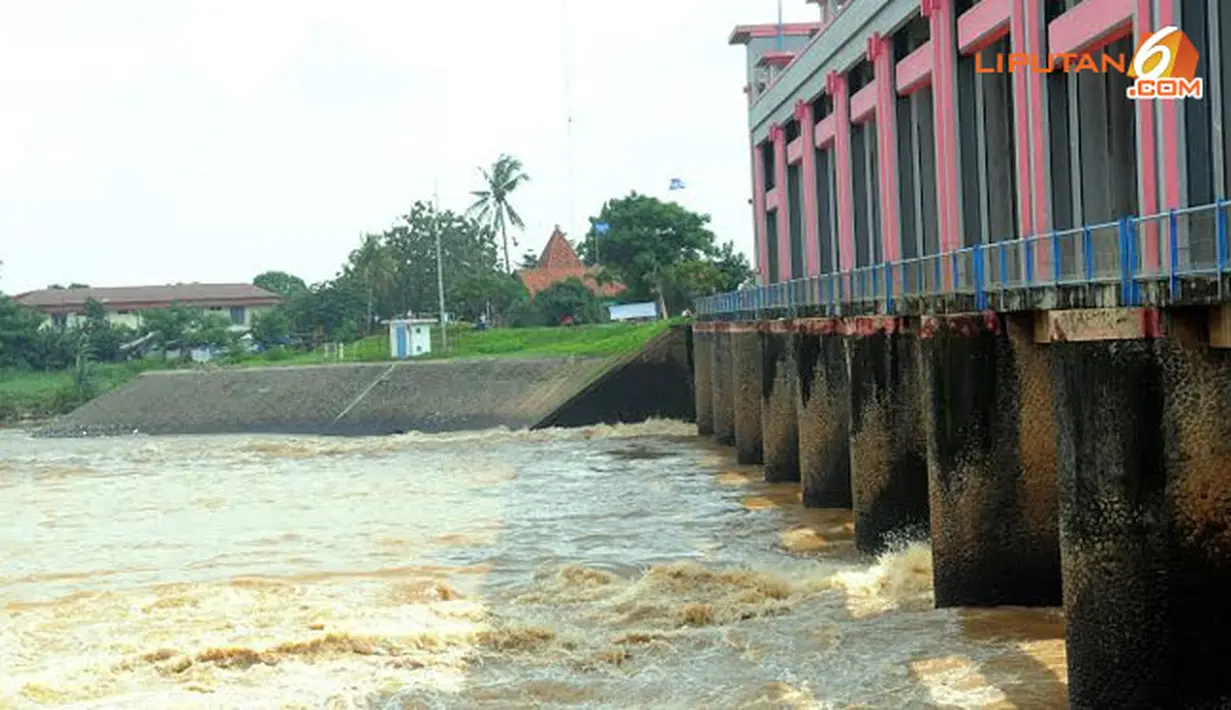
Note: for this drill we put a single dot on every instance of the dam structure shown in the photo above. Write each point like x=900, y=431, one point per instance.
x=992, y=311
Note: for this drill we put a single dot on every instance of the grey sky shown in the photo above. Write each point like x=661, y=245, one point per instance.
x=178, y=140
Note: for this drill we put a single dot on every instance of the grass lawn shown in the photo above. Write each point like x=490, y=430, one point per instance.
x=41, y=395
x=45, y=394
x=580, y=341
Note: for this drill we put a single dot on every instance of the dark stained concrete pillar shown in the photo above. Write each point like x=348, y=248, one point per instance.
x=779, y=429
x=746, y=366
x=722, y=388
x=703, y=386
x=823, y=404
x=992, y=462
x=889, y=477
x=1145, y=520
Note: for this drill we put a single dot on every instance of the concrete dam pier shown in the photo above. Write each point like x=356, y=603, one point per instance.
x=375, y=399
x=1066, y=457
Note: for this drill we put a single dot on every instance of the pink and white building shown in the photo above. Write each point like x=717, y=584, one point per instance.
x=876, y=137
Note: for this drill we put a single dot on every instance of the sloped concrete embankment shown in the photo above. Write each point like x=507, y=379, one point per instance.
x=384, y=398
x=361, y=399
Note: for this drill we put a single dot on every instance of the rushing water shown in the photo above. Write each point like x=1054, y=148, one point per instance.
x=607, y=567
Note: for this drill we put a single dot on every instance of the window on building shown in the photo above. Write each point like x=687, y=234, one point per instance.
x=238, y=315
x=59, y=320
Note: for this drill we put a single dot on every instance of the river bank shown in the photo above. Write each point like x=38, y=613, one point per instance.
x=381, y=398
x=37, y=397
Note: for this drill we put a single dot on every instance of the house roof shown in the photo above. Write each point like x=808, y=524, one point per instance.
x=559, y=262
x=558, y=254
x=138, y=297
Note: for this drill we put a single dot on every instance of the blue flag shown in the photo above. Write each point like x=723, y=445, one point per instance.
x=676, y=184
x=601, y=228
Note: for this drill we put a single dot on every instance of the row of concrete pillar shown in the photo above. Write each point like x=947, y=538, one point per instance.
x=1094, y=474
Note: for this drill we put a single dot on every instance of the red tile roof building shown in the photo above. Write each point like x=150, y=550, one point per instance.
x=559, y=262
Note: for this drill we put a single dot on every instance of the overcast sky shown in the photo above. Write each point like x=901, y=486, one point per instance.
x=193, y=140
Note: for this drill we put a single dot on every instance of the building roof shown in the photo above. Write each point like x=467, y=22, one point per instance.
x=144, y=297
x=559, y=262
x=742, y=33
x=778, y=59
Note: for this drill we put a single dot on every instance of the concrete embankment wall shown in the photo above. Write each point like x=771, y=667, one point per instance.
x=655, y=382
x=361, y=399
x=388, y=398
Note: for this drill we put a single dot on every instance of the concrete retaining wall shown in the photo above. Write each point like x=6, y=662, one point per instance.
x=362, y=399
x=655, y=382
x=385, y=398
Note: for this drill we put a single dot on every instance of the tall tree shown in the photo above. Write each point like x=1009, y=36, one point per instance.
x=281, y=283
x=374, y=265
x=663, y=252
x=468, y=249
x=492, y=206
x=19, y=331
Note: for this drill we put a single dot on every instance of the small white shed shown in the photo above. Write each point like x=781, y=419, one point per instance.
x=410, y=337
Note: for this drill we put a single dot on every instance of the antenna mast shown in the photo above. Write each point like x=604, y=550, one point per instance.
x=781, y=42
x=568, y=108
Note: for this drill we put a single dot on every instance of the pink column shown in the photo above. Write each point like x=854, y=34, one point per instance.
x=758, y=212
x=1147, y=157
x=944, y=79
x=1021, y=122
x=1040, y=148
x=812, y=240
x=1169, y=151
x=836, y=87
x=881, y=56
x=778, y=135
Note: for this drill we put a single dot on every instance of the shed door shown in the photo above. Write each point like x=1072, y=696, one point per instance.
x=403, y=342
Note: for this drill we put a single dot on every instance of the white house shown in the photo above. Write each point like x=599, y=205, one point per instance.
x=124, y=305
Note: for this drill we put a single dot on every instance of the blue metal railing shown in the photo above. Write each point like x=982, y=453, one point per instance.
x=1190, y=242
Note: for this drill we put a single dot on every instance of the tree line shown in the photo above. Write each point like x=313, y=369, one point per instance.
x=658, y=250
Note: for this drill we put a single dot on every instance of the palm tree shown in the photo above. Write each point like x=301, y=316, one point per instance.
x=491, y=204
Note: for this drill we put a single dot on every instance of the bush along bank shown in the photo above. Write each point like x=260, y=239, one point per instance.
x=27, y=396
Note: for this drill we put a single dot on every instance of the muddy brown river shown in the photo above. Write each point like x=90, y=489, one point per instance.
x=622, y=567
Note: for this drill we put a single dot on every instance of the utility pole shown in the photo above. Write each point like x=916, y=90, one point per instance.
x=781, y=42
x=440, y=274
